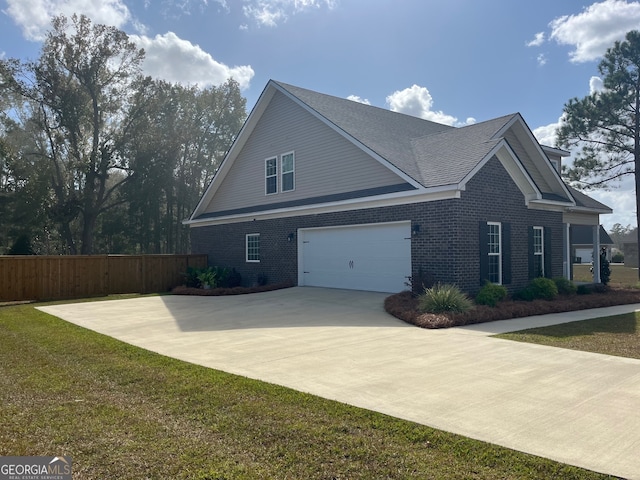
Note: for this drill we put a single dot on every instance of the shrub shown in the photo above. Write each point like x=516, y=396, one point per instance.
x=490, y=294
x=230, y=279
x=543, y=288
x=208, y=276
x=565, y=286
x=191, y=278
x=592, y=288
x=618, y=258
x=538, y=288
x=526, y=294
x=605, y=270
x=583, y=290
x=444, y=298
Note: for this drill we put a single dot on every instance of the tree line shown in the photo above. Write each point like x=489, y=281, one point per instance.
x=95, y=157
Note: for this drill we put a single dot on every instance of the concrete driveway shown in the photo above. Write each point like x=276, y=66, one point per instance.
x=575, y=407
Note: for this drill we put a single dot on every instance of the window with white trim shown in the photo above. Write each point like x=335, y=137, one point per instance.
x=253, y=247
x=287, y=168
x=538, y=251
x=271, y=175
x=495, y=252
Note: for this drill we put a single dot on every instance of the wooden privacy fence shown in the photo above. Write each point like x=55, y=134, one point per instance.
x=58, y=277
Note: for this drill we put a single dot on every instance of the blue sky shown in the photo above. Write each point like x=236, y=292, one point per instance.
x=454, y=61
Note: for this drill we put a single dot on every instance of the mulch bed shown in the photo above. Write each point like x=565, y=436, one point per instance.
x=216, y=292
x=404, y=306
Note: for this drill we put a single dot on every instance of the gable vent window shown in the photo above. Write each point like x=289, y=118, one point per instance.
x=288, y=172
x=271, y=175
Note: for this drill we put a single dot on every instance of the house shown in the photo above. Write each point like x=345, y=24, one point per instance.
x=629, y=244
x=324, y=191
x=582, y=243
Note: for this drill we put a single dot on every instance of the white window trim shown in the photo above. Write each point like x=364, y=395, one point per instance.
x=499, y=254
x=266, y=177
x=282, y=172
x=246, y=247
x=542, y=252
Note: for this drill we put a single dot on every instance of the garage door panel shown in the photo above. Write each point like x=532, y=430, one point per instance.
x=372, y=257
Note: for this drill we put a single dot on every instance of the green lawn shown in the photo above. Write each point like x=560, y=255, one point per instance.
x=621, y=276
x=124, y=413
x=618, y=335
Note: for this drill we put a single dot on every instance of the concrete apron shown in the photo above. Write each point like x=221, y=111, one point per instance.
x=574, y=407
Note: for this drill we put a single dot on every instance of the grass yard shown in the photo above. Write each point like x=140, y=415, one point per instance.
x=621, y=276
x=618, y=335
x=124, y=413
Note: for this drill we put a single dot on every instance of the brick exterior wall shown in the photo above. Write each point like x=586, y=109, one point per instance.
x=445, y=250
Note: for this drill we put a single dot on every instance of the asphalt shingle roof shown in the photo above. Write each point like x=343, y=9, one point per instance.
x=585, y=201
x=420, y=148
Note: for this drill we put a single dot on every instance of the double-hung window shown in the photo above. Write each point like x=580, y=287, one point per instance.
x=495, y=252
x=271, y=175
x=253, y=247
x=287, y=168
x=538, y=251
x=280, y=174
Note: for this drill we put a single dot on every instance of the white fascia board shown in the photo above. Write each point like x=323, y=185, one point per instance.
x=393, y=199
x=556, y=151
x=548, y=167
x=410, y=180
x=549, y=205
x=249, y=124
x=591, y=210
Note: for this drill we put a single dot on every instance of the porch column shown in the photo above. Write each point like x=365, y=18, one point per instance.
x=596, y=254
x=566, y=251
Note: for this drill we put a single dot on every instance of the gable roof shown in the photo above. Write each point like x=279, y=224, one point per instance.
x=425, y=154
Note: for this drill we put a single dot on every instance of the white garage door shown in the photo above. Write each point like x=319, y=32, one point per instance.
x=585, y=254
x=373, y=257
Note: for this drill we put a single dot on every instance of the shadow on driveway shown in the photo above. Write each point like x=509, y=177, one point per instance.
x=287, y=308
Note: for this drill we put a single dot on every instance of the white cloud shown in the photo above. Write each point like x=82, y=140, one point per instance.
x=272, y=12
x=621, y=200
x=417, y=101
x=176, y=60
x=542, y=59
x=596, y=28
x=546, y=134
x=356, y=98
x=537, y=40
x=34, y=16
x=595, y=85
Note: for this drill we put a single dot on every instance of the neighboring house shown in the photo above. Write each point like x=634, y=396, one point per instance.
x=582, y=244
x=324, y=191
x=629, y=243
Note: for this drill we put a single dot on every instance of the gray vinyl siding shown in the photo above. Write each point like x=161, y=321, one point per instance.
x=325, y=162
x=528, y=163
